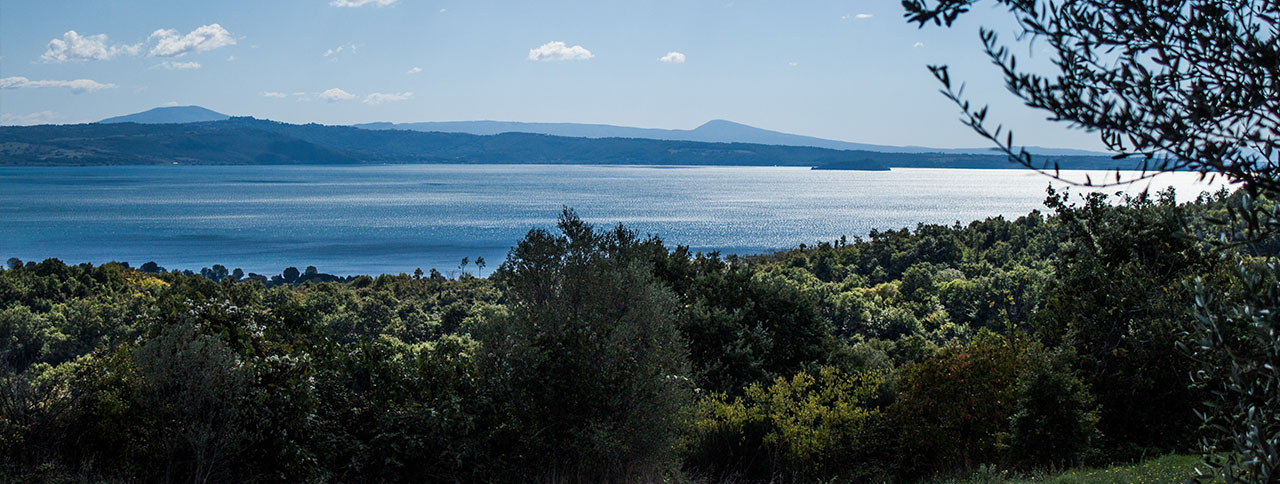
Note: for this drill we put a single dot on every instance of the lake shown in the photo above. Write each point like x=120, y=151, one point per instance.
x=395, y=218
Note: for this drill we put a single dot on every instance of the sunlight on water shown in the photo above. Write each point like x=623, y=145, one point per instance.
x=375, y=219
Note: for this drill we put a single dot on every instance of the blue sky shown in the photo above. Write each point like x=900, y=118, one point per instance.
x=849, y=70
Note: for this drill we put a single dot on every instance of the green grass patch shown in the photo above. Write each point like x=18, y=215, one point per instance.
x=1166, y=469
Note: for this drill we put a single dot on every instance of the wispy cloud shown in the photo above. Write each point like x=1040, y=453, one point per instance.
x=334, y=95
x=379, y=98
x=75, y=47
x=361, y=3
x=917, y=45
x=42, y=117
x=273, y=94
x=672, y=57
x=862, y=16
x=177, y=66
x=558, y=51
x=415, y=70
x=77, y=86
x=340, y=49
x=204, y=38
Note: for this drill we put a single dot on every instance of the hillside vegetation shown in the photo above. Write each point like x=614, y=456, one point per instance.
x=596, y=355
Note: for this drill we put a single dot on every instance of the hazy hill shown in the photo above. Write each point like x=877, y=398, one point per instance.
x=715, y=131
x=255, y=141
x=170, y=114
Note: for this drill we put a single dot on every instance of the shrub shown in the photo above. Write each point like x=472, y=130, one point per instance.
x=953, y=406
x=801, y=429
x=1054, y=422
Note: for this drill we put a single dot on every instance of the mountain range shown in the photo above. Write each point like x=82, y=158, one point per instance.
x=714, y=131
x=243, y=140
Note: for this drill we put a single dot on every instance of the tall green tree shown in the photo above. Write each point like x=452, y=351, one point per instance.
x=587, y=366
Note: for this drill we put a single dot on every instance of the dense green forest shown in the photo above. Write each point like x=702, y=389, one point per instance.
x=593, y=354
x=249, y=141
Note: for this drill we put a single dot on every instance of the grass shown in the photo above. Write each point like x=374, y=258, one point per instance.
x=1166, y=469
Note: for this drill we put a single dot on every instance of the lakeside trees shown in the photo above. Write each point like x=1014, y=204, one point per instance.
x=594, y=355
x=1184, y=84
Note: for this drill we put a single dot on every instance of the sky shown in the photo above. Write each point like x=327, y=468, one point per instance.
x=850, y=70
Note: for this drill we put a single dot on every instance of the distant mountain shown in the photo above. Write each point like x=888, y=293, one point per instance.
x=169, y=115
x=715, y=131
x=238, y=141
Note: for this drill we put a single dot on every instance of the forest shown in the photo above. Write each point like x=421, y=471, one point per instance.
x=595, y=354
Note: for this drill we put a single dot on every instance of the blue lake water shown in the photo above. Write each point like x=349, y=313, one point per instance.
x=394, y=218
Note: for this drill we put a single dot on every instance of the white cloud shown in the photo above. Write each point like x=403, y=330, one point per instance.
x=793, y=64
x=171, y=103
x=203, y=38
x=232, y=58
x=75, y=47
x=178, y=66
x=361, y=3
x=42, y=117
x=273, y=94
x=415, y=70
x=77, y=86
x=334, y=95
x=862, y=16
x=917, y=45
x=379, y=98
x=558, y=51
x=350, y=48
x=672, y=57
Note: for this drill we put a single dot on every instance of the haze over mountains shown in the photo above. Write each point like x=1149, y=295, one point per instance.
x=714, y=131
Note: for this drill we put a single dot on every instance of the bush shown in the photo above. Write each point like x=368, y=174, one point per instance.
x=954, y=406
x=801, y=429
x=1054, y=422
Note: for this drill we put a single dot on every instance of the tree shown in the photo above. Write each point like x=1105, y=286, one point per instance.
x=290, y=274
x=1183, y=85
x=1235, y=340
x=1119, y=300
x=480, y=266
x=587, y=368
x=13, y=263
x=463, y=266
